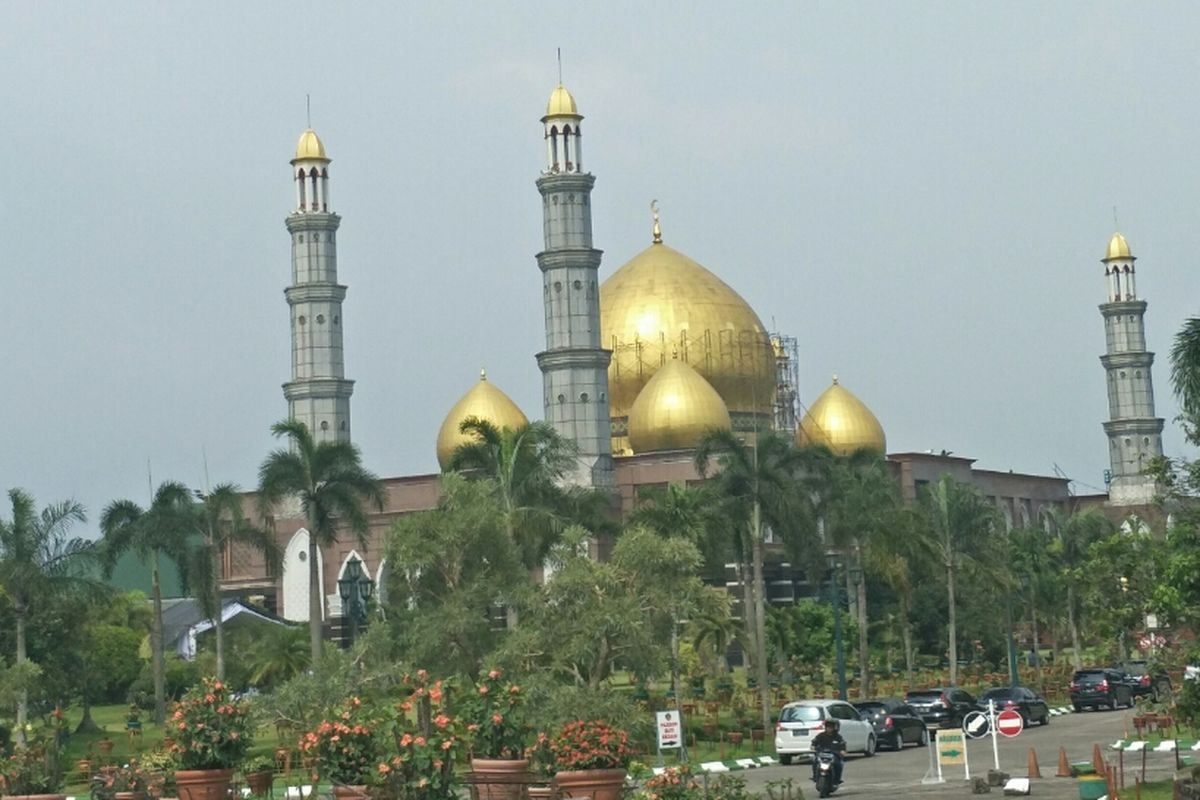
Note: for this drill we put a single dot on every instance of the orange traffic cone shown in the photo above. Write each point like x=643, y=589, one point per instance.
x=1034, y=770
x=1098, y=761
x=1064, y=769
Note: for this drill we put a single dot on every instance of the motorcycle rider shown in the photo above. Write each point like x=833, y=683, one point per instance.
x=830, y=739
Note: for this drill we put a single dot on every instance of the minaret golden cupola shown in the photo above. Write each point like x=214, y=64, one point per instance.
x=485, y=401
x=676, y=407
x=841, y=422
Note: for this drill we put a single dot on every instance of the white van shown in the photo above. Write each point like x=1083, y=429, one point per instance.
x=801, y=720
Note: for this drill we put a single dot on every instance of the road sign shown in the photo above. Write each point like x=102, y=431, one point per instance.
x=1009, y=723
x=976, y=724
x=669, y=730
x=952, y=748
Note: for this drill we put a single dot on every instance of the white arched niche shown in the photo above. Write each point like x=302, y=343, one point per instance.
x=295, y=578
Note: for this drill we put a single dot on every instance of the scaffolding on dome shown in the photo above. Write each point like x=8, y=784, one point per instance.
x=787, y=379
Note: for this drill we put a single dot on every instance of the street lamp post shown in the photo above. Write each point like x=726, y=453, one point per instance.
x=834, y=561
x=1013, y=678
x=355, y=589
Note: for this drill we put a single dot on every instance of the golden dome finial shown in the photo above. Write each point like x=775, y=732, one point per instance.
x=657, y=227
x=310, y=147
x=835, y=380
x=483, y=373
x=1117, y=248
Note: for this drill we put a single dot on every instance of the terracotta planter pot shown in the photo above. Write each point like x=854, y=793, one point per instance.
x=129, y=796
x=34, y=797
x=355, y=792
x=203, y=784
x=260, y=782
x=499, y=778
x=541, y=792
x=597, y=784
x=105, y=746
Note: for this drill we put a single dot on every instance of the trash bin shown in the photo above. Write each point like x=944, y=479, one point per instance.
x=1092, y=787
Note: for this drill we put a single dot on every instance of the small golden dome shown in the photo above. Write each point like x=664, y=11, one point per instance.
x=840, y=421
x=310, y=147
x=561, y=104
x=1117, y=248
x=662, y=302
x=674, y=410
x=482, y=400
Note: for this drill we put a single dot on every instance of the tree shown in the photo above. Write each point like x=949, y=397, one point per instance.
x=893, y=559
x=528, y=466
x=961, y=521
x=459, y=567
x=759, y=484
x=1073, y=537
x=153, y=534
x=38, y=558
x=217, y=525
x=691, y=512
x=333, y=489
x=281, y=654
x=1185, y=373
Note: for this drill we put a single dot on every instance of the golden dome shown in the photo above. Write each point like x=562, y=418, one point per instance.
x=482, y=400
x=674, y=410
x=1117, y=248
x=839, y=420
x=310, y=147
x=662, y=303
x=561, y=104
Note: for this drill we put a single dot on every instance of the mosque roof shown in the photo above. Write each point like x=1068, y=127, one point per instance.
x=310, y=146
x=482, y=400
x=840, y=421
x=1117, y=248
x=674, y=410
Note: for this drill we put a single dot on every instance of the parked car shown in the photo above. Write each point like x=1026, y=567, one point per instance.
x=944, y=707
x=1155, y=684
x=801, y=720
x=1100, y=687
x=1028, y=703
x=896, y=723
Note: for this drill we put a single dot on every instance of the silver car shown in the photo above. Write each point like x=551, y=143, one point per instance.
x=802, y=720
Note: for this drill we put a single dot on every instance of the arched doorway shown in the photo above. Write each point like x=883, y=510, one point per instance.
x=295, y=578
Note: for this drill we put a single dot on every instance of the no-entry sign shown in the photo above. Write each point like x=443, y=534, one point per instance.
x=1009, y=723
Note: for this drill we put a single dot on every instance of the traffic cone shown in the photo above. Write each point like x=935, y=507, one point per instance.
x=1034, y=770
x=1064, y=769
x=1098, y=761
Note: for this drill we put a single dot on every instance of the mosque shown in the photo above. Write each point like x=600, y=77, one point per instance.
x=634, y=369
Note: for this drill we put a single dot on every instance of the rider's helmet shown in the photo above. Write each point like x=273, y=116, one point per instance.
x=831, y=725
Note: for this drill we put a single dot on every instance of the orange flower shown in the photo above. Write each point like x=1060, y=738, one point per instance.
x=494, y=674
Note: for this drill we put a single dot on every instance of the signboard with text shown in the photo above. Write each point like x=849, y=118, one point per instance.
x=670, y=730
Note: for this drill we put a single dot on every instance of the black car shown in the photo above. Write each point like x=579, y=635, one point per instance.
x=944, y=707
x=1100, y=688
x=1145, y=682
x=896, y=723
x=1028, y=703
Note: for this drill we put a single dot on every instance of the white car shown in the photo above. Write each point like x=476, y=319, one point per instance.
x=801, y=720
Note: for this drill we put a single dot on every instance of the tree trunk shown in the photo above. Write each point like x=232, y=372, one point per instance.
x=218, y=611
x=952, y=625
x=1076, y=661
x=23, y=697
x=157, y=663
x=864, y=651
x=1036, y=652
x=315, y=601
x=906, y=634
x=750, y=650
x=87, y=724
x=764, y=690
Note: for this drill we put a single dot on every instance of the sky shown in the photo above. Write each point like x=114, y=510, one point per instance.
x=919, y=192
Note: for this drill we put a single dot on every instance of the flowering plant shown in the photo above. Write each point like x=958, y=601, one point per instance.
x=344, y=748
x=590, y=744
x=493, y=718
x=130, y=778
x=426, y=741
x=673, y=783
x=30, y=770
x=210, y=729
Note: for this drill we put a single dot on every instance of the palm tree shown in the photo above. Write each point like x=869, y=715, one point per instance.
x=153, y=534
x=37, y=558
x=333, y=488
x=691, y=512
x=1185, y=373
x=218, y=525
x=1074, y=536
x=961, y=520
x=282, y=654
x=528, y=465
x=759, y=484
x=892, y=558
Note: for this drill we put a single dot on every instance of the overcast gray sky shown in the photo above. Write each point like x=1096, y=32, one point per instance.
x=920, y=192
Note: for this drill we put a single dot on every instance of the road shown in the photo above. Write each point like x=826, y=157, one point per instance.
x=890, y=774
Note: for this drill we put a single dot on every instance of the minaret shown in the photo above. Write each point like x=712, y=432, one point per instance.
x=318, y=393
x=1134, y=433
x=574, y=365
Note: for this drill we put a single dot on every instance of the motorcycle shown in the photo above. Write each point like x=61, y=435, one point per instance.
x=826, y=770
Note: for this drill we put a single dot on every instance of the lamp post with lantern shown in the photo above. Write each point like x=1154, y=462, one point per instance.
x=355, y=588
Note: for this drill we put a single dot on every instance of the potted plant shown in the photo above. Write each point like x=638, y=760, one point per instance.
x=31, y=772
x=159, y=766
x=128, y=782
x=498, y=736
x=259, y=773
x=212, y=733
x=591, y=757
x=673, y=783
x=344, y=749
x=425, y=740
